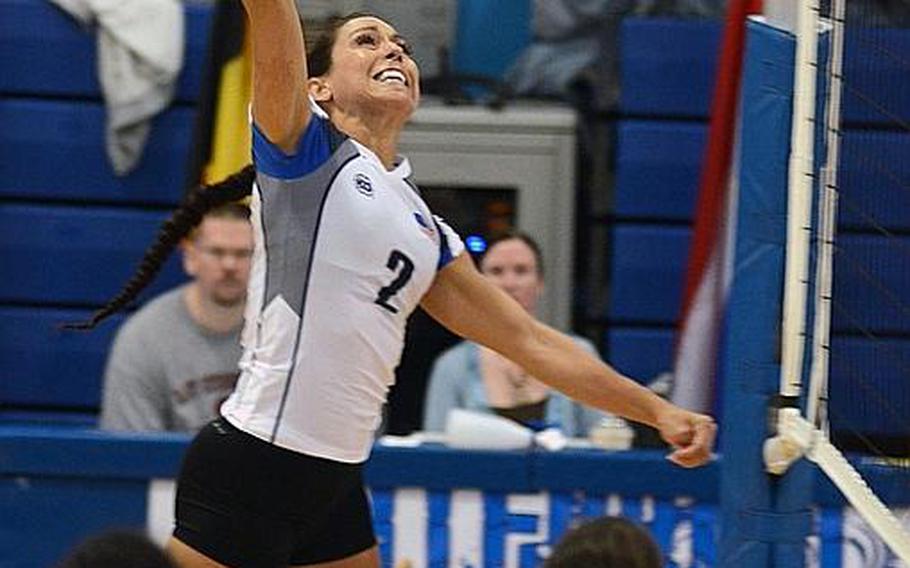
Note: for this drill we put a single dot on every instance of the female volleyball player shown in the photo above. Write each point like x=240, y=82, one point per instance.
x=345, y=250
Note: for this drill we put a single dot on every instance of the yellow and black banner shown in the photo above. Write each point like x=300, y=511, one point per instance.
x=221, y=137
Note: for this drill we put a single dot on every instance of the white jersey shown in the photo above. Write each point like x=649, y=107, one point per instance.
x=344, y=252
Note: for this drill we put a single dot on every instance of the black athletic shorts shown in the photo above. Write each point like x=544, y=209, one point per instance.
x=247, y=503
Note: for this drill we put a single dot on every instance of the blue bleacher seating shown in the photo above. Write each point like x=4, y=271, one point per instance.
x=642, y=353
x=649, y=261
x=55, y=150
x=667, y=66
x=44, y=52
x=873, y=180
x=658, y=164
x=73, y=232
x=41, y=365
x=667, y=70
x=657, y=173
x=868, y=385
x=876, y=90
x=646, y=266
x=74, y=255
x=871, y=283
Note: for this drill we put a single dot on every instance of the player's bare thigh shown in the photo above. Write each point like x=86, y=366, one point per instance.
x=187, y=557
x=369, y=558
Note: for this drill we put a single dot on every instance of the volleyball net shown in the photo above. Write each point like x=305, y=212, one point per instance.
x=824, y=208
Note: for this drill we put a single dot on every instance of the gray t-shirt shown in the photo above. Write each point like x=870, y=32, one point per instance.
x=165, y=372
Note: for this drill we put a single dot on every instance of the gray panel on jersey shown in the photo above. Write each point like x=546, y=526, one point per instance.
x=291, y=210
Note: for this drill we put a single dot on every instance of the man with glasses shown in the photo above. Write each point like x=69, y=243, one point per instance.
x=175, y=360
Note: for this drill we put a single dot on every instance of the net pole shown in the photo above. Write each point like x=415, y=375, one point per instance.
x=818, y=376
x=801, y=177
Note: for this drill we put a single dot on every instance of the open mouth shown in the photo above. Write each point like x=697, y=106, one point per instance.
x=391, y=76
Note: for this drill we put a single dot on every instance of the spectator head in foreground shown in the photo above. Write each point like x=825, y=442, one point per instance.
x=607, y=542
x=117, y=549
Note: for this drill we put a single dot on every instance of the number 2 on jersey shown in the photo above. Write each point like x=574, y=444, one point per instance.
x=407, y=269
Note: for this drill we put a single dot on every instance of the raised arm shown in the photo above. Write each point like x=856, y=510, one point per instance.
x=280, y=105
x=466, y=303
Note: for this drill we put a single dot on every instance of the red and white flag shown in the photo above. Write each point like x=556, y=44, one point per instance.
x=709, y=267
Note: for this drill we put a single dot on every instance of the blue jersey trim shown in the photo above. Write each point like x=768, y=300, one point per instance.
x=314, y=148
x=445, y=254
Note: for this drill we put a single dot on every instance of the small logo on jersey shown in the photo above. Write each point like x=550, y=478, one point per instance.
x=364, y=185
x=425, y=226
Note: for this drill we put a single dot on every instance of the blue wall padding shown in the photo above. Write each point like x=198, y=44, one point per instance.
x=439, y=467
x=872, y=284
x=43, y=51
x=490, y=36
x=873, y=179
x=31, y=417
x=70, y=255
x=41, y=365
x=627, y=474
x=641, y=353
x=868, y=387
x=79, y=508
x=658, y=165
x=647, y=263
x=750, y=363
x=56, y=150
x=667, y=66
x=876, y=89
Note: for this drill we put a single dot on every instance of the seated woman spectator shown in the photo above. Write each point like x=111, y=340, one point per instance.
x=607, y=542
x=475, y=378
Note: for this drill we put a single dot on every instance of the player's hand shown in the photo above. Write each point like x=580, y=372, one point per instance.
x=691, y=436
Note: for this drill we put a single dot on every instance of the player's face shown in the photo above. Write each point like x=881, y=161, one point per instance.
x=219, y=259
x=372, y=69
x=512, y=266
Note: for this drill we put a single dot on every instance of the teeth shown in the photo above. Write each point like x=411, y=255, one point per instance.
x=392, y=75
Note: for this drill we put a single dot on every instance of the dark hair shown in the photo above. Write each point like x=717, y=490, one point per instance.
x=519, y=236
x=234, y=211
x=320, y=38
x=237, y=210
x=117, y=549
x=197, y=203
x=607, y=542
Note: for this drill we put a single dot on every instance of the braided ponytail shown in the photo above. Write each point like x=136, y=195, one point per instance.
x=197, y=202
